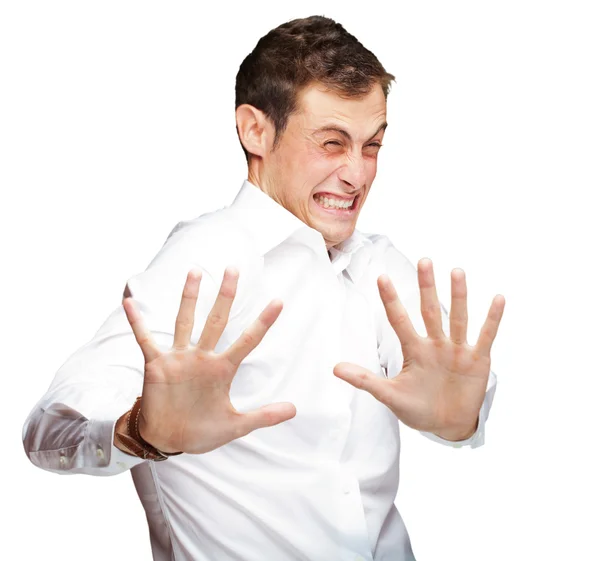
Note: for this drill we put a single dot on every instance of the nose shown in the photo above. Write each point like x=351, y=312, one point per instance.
x=354, y=173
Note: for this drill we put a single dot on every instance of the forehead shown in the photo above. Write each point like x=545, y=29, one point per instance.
x=318, y=106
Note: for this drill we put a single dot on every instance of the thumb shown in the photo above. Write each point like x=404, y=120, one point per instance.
x=364, y=379
x=267, y=416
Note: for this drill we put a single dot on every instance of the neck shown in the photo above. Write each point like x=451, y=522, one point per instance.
x=257, y=178
x=256, y=175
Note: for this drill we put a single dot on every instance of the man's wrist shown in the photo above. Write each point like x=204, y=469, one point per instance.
x=129, y=440
x=458, y=435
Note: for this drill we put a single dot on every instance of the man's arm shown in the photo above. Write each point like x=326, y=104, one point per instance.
x=160, y=345
x=71, y=428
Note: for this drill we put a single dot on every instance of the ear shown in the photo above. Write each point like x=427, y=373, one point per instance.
x=255, y=130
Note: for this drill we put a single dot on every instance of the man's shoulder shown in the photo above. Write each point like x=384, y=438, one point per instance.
x=386, y=258
x=210, y=236
x=217, y=222
x=383, y=249
x=210, y=242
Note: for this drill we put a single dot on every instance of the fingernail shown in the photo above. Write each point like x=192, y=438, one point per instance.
x=231, y=271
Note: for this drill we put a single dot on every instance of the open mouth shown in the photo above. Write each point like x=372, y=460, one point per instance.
x=336, y=204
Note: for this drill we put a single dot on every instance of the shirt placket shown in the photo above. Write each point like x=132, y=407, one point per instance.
x=350, y=512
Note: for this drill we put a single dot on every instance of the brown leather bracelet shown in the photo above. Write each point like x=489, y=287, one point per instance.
x=132, y=440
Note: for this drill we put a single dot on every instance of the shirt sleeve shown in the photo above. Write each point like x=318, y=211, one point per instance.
x=404, y=276
x=71, y=428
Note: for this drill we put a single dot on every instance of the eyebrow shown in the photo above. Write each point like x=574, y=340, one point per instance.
x=345, y=133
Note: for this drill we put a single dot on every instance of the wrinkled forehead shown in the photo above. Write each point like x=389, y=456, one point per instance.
x=318, y=106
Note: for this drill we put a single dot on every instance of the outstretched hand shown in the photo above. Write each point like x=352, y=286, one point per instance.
x=443, y=381
x=185, y=402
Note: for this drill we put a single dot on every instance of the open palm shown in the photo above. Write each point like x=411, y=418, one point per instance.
x=185, y=403
x=443, y=381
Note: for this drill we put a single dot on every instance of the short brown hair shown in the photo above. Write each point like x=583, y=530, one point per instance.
x=297, y=53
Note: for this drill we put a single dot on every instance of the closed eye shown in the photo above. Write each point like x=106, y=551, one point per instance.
x=336, y=143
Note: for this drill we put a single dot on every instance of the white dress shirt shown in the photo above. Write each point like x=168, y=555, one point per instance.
x=320, y=486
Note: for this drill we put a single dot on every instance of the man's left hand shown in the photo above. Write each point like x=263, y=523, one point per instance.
x=443, y=381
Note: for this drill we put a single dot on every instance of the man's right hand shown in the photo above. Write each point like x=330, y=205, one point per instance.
x=185, y=404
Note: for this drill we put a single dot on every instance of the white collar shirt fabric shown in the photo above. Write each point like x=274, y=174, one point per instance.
x=321, y=486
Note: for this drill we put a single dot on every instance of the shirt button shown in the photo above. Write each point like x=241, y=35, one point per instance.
x=62, y=461
x=100, y=453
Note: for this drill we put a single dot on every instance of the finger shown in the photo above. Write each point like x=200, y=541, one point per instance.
x=184, y=324
x=430, y=305
x=458, y=308
x=140, y=331
x=254, y=334
x=219, y=315
x=396, y=314
x=490, y=327
x=266, y=416
x=363, y=379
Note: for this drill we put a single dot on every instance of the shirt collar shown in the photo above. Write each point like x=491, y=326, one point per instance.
x=347, y=255
x=265, y=220
x=270, y=224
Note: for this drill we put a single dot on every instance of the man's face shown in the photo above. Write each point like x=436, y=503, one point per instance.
x=326, y=159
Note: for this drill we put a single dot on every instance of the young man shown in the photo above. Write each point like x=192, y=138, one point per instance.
x=309, y=337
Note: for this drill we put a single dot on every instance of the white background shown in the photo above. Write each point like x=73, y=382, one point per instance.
x=117, y=122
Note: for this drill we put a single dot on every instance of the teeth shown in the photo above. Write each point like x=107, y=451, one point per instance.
x=334, y=203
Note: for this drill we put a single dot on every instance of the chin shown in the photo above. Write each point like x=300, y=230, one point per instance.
x=332, y=233
x=335, y=238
